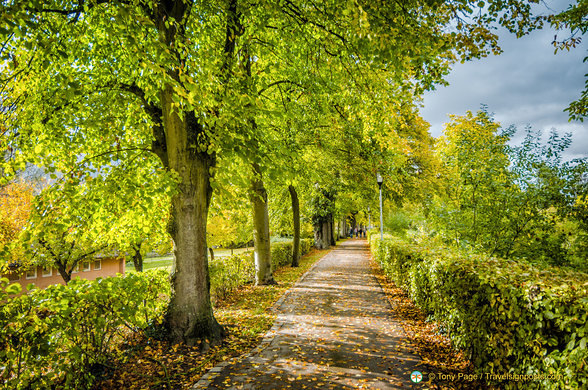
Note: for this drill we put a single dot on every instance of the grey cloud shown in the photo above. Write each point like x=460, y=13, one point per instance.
x=527, y=84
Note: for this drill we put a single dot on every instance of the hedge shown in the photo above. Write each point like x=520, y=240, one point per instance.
x=230, y=272
x=62, y=336
x=281, y=252
x=508, y=316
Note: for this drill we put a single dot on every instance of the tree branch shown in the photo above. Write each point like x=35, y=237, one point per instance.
x=278, y=83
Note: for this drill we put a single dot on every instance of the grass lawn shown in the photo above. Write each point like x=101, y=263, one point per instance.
x=166, y=261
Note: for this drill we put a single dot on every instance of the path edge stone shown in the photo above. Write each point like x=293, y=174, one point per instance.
x=206, y=380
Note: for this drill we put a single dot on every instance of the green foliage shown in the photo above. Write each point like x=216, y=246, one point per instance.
x=282, y=251
x=65, y=334
x=230, y=272
x=508, y=316
x=510, y=200
x=398, y=221
x=574, y=20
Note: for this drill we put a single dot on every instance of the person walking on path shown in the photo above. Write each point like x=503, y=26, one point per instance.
x=334, y=330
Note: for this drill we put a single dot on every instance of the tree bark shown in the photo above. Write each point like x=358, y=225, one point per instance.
x=64, y=272
x=321, y=234
x=332, y=230
x=296, y=222
x=262, y=253
x=137, y=258
x=189, y=317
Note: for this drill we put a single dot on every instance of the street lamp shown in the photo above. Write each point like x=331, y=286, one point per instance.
x=380, y=181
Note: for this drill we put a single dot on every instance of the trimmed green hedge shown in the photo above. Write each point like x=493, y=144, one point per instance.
x=62, y=336
x=281, y=252
x=230, y=272
x=509, y=317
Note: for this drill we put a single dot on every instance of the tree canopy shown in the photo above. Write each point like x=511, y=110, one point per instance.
x=98, y=91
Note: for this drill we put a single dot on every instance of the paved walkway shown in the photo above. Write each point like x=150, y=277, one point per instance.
x=334, y=330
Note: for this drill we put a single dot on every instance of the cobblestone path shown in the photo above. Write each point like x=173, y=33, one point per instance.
x=334, y=330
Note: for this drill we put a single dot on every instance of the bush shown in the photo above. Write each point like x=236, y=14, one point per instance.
x=509, y=317
x=230, y=272
x=306, y=244
x=64, y=335
x=281, y=252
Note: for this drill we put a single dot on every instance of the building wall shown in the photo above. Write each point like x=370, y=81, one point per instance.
x=97, y=268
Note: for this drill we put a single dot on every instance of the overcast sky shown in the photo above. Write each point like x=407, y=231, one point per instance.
x=525, y=85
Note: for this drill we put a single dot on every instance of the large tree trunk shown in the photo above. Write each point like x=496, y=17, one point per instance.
x=321, y=233
x=183, y=146
x=262, y=253
x=296, y=222
x=189, y=315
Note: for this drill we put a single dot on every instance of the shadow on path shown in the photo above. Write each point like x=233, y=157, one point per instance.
x=333, y=330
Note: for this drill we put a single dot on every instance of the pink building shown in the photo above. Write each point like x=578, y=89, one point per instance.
x=45, y=276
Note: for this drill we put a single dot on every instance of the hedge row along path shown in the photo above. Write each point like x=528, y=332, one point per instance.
x=334, y=330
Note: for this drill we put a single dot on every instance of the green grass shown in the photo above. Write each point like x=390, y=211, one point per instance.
x=165, y=262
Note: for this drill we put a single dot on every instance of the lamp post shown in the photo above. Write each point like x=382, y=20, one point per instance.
x=380, y=181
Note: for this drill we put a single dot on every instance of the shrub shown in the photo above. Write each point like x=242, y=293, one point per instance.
x=306, y=245
x=63, y=335
x=509, y=317
x=281, y=252
x=230, y=272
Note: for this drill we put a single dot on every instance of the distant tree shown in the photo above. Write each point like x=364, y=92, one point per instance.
x=509, y=200
x=16, y=200
x=64, y=234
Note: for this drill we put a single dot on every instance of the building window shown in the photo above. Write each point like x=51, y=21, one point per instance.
x=31, y=273
x=47, y=271
x=86, y=265
x=13, y=276
x=97, y=264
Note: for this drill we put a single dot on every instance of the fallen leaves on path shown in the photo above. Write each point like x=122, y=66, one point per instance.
x=145, y=363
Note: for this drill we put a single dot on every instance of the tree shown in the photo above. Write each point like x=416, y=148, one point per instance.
x=573, y=19
x=138, y=194
x=508, y=200
x=296, y=225
x=65, y=234
x=474, y=169
x=16, y=201
x=92, y=78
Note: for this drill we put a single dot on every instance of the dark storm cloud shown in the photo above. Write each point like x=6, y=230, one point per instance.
x=526, y=85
